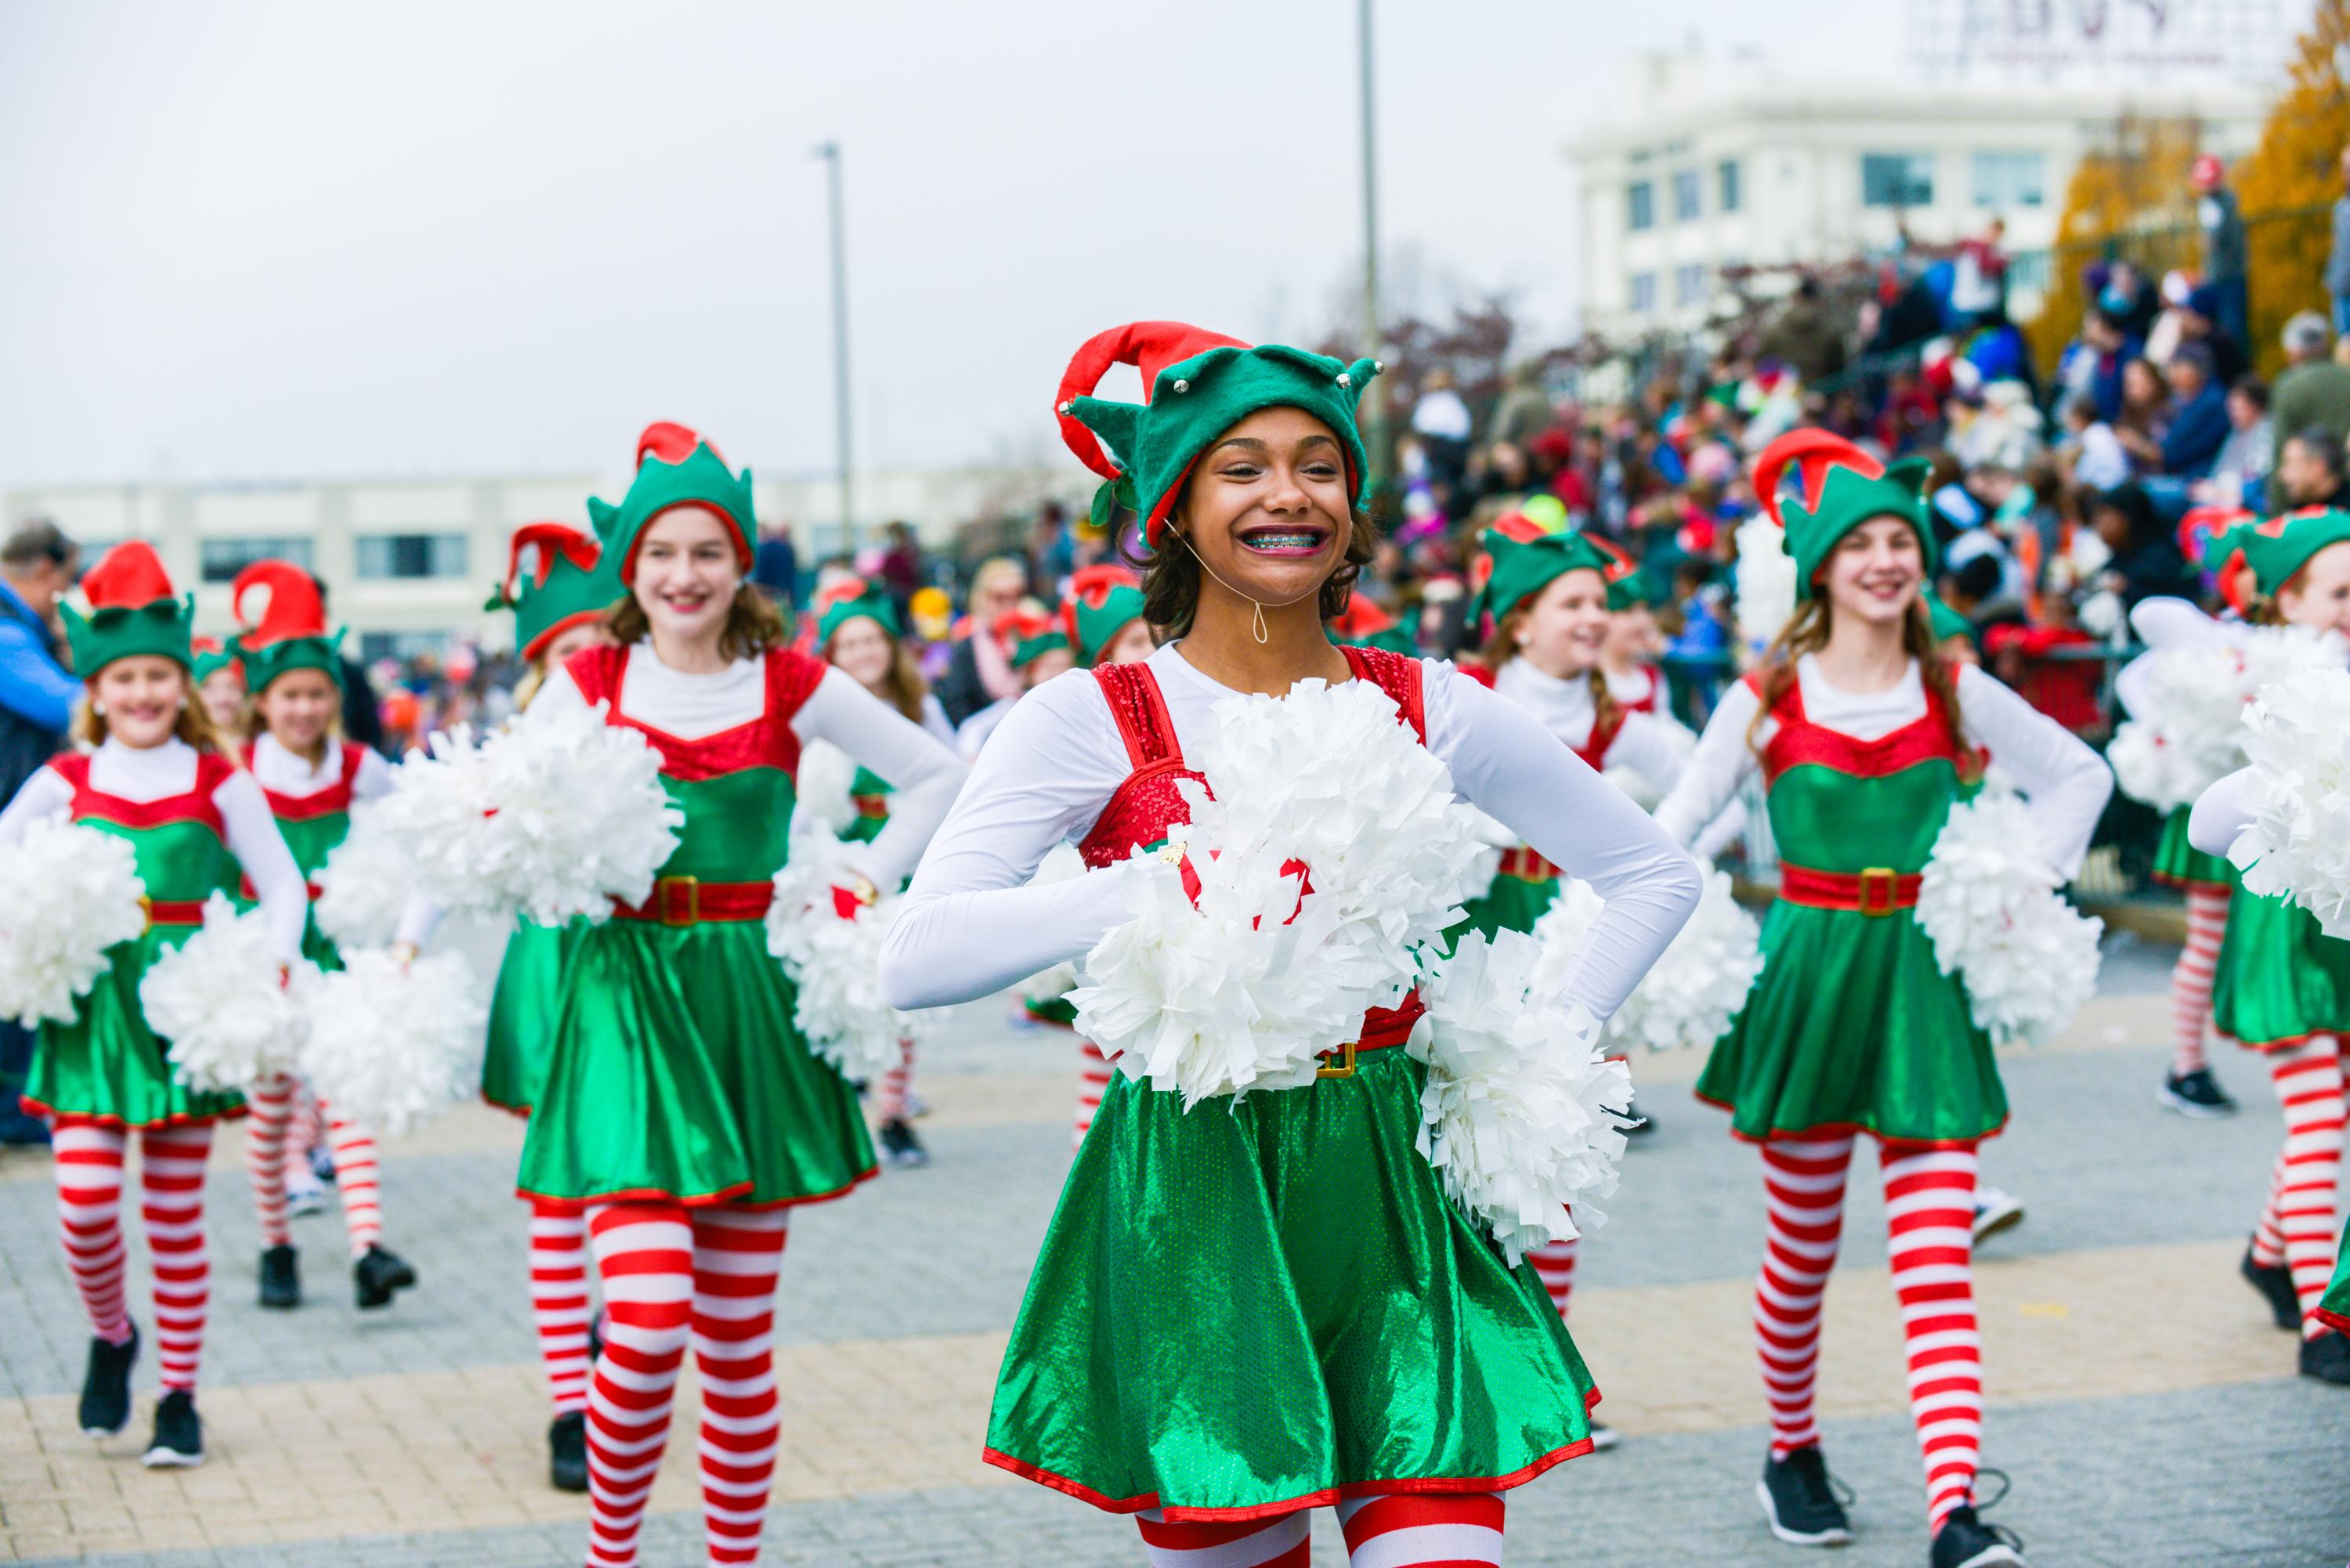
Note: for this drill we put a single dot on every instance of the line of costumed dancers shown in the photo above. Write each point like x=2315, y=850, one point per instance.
x=1354, y=945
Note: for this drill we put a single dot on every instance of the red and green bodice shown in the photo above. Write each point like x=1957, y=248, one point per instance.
x=870, y=793
x=1852, y=1025
x=107, y=1063
x=315, y=825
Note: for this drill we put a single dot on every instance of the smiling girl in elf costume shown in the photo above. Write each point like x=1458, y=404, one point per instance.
x=1864, y=739
x=1269, y=1304
x=1039, y=651
x=559, y=603
x=154, y=774
x=220, y=682
x=2284, y=985
x=856, y=634
x=680, y=1102
x=312, y=778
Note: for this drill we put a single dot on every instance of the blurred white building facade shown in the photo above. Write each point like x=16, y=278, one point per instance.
x=1717, y=163
x=409, y=563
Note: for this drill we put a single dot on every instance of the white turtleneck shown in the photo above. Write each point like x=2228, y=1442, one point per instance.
x=286, y=771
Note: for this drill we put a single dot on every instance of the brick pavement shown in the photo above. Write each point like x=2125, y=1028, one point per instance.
x=2148, y=1414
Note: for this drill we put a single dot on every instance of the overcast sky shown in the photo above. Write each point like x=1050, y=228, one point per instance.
x=287, y=241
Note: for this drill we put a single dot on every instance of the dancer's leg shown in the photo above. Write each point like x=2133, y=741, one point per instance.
x=2308, y=1078
x=1804, y=1182
x=644, y=1254
x=352, y=1148
x=2190, y=979
x=1281, y=1543
x=89, y=1210
x=1929, y=1197
x=1433, y=1530
x=1092, y=1079
x=172, y=1202
x=736, y=1255
x=269, y=1107
x=559, y=1299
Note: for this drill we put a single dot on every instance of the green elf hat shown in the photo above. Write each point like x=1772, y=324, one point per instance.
x=1948, y=623
x=1103, y=602
x=843, y=601
x=1196, y=386
x=1841, y=488
x=132, y=610
x=1028, y=635
x=1363, y=624
x=570, y=582
x=290, y=633
x=2271, y=553
x=1520, y=559
x=212, y=657
x=675, y=467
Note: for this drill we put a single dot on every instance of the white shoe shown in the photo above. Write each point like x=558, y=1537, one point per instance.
x=1604, y=1436
x=304, y=1193
x=1995, y=1210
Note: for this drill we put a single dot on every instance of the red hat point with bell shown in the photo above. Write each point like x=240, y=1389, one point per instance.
x=1149, y=347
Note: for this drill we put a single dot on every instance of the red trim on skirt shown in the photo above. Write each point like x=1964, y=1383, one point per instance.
x=2167, y=880
x=1455, y=1485
x=725, y=1197
x=89, y=1120
x=2289, y=1041
x=1838, y=1129
x=2333, y=1320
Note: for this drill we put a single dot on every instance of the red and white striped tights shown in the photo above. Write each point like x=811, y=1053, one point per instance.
x=2298, y=1224
x=1929, y=1212
x=171, y=1203
x=559, y=1299
x=673, y=1274
x=284, y=1124
x=2190, y=977
x=897, y=1085
x=1554, y=1264
x=1422, y=1530
x=1093, y=1081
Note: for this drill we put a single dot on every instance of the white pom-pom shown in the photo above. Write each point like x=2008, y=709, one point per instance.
x=1563, y=930
x=821, y=785
x=2297, y=844
x=1249, y=984
x=1494, y=838
x=1698, y=983
x=68, y=894
x=834, y=964
x=223, y=1002
x=440, y=813
x=2187, y=702
x=1764, y=580
x=1989, y=901
x=1521, y=1116
x=364, y=886
x=392, y=1045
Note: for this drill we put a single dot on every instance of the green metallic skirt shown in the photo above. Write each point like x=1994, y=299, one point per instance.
x=2281, y=978
x=1510, y=904
x=676, y=1075
x=1853, y=1027
x=2335, y=1306
x=523, y=1012
x=1269, y=1305
x=107, y=1064
x=2179, y=863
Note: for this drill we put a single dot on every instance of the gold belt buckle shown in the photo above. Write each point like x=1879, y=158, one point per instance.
x=147, y=911
x=1880, y=889
x=1345, y=1067
x=670, y=912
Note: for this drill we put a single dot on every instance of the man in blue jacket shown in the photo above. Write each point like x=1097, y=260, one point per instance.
x=37, y=565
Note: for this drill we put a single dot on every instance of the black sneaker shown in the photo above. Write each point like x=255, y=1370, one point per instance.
x=1643, y=1124
x=567, y=1451
x=179, y=1434
x=322, y=1164
x=281, y=1276
x=106, y=1386
x=378, y=1273
x=900, y=1147
x=2326, y=1358
x=2274, y=1282
x=2195, y=1094
x=1801, y=1502
x=1966, y=1542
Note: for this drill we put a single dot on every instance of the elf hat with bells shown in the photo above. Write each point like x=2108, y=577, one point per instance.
x=1102, y=601
x=1842, y=487
x=1028, y=635
x=847, y=599
x=1196, y=385
x=2264, y=556
x=570, y=583
x=211, y=657
x=1520, y=558
x=290, y=632
x=132, y=610
x=675, y=468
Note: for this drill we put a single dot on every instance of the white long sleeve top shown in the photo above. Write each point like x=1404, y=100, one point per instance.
x=285, y=772
x=158, y=772
x=2067, y=783
x=972, y=923
x=923, y=773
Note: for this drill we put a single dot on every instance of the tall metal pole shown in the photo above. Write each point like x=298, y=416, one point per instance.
x=1371, y=338
x=830, y=153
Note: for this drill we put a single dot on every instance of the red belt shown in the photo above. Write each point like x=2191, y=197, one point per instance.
x=245, y=889
x=172, y=911
x=875, y=807
x=1383, y=1027
x=1527, y=866
x=689, y=902
x=1879, y=890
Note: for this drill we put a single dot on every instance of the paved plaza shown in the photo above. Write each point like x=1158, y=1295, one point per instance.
x=2136, y=1392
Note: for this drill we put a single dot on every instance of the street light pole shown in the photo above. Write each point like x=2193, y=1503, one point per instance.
x=1371, y=339
x=830, y=152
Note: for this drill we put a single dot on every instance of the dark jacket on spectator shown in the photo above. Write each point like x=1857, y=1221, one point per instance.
x=363, y=714
x=2312, y=396
x=36, y=694
x=2196, y=432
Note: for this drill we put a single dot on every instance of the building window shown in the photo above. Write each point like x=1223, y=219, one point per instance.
x=1640, y=205
x=1689, y=282
x=2009, y=179
x=220, y=560
x=400, y=646
x=1685, y=197
x=1726, y=185
x=411, y=555
x=1644, y=292
x=1897, y=179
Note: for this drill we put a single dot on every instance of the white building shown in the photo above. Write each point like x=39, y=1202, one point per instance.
x=408, y=562
x=1717, y=164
